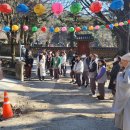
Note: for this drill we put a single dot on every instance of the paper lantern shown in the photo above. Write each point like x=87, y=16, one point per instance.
x=77, y=29
x=51, y=29
x=22, y=8
x=111, y=26
x=43, y=29
x=91, y=28
x=121, y=24
x=128, y=21
x=117, y=4
x=25, y=27
x=57, y=29
x=97, y=27
x=76, y=8
x=6, y=29
x=125, y=22
x=71, y=29
x=39, y=9
x=15, y=28
x=5, y=8
x=107, y=26
x=116, y=24
x=96, y=7
x=34, y=29
x=84, y=28
x=57, y=8
x=64, y=29
x=102, y=26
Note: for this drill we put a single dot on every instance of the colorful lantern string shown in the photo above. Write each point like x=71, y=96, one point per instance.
x=6, y=29
x=71, y=29
x=57, y=29
x=117, y=4
x=64, y=29
x=77, y=29
x=34, y=29
x=44, y=29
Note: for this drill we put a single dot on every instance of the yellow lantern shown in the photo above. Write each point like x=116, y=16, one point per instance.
x=91, y=28
x=39, y=9
x=116, y=24
x=57, y=29
x=15, y=28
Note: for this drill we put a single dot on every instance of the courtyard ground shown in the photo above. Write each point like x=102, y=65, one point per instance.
x=55, y=106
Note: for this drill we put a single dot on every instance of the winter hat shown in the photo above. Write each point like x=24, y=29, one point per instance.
x=126, y=57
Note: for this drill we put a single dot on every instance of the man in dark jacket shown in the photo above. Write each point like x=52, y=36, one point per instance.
x=113, y=74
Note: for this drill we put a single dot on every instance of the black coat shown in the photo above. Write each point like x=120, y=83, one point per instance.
x=94, y=67
x=113, y=75
x=29, y=61
x=72, y=63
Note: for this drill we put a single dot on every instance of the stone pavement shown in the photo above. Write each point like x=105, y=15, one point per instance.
x=56, y=106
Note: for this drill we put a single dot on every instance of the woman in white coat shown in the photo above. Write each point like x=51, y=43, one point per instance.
x=121, y=104
x=41, y=69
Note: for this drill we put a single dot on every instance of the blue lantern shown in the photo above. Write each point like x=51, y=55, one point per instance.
x=84, y=28
x=117, y=4
x=111, y=26
x=22, y=8
x=51, y=29
x=6, y=29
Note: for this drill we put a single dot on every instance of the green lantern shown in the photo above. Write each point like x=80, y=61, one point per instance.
x=125, y=22
x=102, y=26
x=34, y=29
x=71, y=29
x=76, y=8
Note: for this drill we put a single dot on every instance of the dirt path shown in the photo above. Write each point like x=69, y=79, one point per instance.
x=57, y=106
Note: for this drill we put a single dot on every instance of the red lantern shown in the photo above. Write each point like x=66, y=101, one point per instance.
x=44, y=29
x=107, y=26
x=96, y=7
x=128, y=21
x=77, y=29
x=5, y=8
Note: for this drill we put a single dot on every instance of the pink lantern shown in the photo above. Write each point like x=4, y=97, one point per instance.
x=57, y=8
x=25, y=27
x=64, y=29
x=97, y=27
x=121, y=24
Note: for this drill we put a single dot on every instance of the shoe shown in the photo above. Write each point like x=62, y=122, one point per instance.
x=86, y=85
x=79, y=87
x=74, y=83
x=100, y=97
x=94, y=95
x=71, y=81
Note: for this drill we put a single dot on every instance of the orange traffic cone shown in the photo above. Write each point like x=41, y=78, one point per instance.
x=7, y=110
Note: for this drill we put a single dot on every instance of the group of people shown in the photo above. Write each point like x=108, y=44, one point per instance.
x=87, y=70
x=55, y=63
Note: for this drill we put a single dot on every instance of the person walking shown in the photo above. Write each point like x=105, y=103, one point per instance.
x=113, y=75
x=63, y=64
x=78, y=68
x=93, y=74
x=121, y=105
x=86, y=62
x=41, y=70
x=56, y=66
x=28, y=65
x=48, y=60
x=101, y=79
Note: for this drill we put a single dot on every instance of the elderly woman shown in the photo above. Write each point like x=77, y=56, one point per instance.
x=121, y=104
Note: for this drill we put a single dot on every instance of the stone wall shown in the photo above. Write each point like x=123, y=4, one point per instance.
x=5, y=50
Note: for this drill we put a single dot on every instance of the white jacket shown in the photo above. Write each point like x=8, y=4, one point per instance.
x=41, y=65
x=63, y=61
x=79, y=67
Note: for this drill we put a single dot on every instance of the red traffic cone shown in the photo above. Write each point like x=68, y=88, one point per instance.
x=7, y=110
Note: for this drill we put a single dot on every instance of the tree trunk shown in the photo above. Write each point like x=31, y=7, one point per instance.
x=12, y=52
